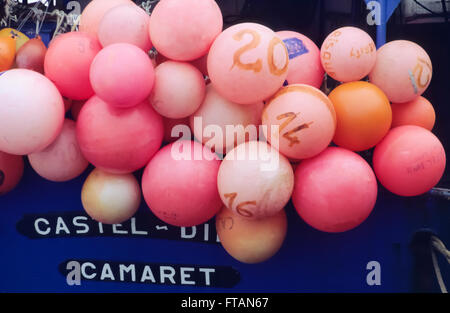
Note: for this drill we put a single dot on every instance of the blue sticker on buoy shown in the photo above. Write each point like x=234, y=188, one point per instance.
x=295, y=47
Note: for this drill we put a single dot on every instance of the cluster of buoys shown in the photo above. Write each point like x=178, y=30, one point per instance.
x=263, y=129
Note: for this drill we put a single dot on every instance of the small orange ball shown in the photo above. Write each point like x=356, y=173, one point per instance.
x=364, y=115
x=251, y=241
x=7, y=53
x=419, y=112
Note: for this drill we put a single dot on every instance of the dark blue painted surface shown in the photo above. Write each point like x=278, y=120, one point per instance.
x=309, y=261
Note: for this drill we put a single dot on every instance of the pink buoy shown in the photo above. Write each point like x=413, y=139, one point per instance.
x=110, y=198
x=180, y=184
x=247, y=63
x=348, y=54
x=125, y=23
x=118, y=140
x=184, y=30
x=68, y=61
x=335, y=191
x=93, y=13
x=11, y=171
x=409, y=161
x=304, y=118
x=188, y=83
x=62, y=160
x=31, y=112
x=403, y=70
x=179, y=89
x=222, y=125
x=122, y=75
x=305, y=66
x=255, y=180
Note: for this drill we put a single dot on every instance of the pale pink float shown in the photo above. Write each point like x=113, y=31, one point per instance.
x=305, y=66
x=11, y=171
x=93, y=13
x=67, y=63
x=216, y=114
x=335, y=191
x=118, y=140
x=62, y=160
x=348, y=54
x=255, y=180
x=184, y=30
x=180, y=184
x=126, y=23
x=122, y=75
x=247, y=63
x=179, y=89
x=31, y=112
x=403, y=70
x=409, y=161
x=110, y=198
x=305, y=118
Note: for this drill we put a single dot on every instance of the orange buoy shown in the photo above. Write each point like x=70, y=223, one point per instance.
x=19, y=37
x=419, y=112
x=7, y=53
x=363, y=115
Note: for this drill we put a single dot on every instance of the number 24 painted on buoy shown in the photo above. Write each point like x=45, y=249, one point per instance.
x=257, y=65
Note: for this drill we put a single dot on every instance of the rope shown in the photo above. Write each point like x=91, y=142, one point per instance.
x=28, y=16
x=147, y=5
x=425, y=8
x=38, y=30
x=60, y=18
x=438, y=245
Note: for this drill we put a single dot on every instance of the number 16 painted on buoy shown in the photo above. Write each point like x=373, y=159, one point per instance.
x=240, y=207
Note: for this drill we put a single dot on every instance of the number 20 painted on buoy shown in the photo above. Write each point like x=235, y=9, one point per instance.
x=257, y=65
